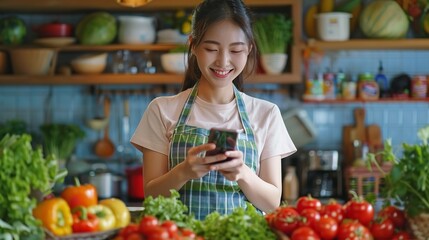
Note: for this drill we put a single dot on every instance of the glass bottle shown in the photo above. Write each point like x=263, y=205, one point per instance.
x=290, y=185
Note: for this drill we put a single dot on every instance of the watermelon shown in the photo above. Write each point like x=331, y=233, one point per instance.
x=384, y=19
x=97, y=28
x=12, y=30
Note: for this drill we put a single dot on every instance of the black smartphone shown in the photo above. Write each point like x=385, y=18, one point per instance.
x=225, y=140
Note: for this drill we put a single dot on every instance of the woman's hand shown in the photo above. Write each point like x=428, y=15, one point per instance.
x=233, y=168
x=197, y=166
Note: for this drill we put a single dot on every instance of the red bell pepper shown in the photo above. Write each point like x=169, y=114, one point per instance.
x=80, y=195
x=83, y=221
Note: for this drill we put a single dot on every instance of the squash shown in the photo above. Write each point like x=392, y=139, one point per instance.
x=384, y=19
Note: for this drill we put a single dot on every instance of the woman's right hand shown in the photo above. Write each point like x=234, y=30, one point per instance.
x=196, y=164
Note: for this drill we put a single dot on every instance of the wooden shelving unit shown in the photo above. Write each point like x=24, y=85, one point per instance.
x=291, y=75
x=371, y=44
x=381, y=100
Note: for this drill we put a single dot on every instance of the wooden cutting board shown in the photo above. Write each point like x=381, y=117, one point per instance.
x=351, y=133
x=374, y=138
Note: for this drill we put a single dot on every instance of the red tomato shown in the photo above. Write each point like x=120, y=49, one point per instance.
x=360, y=210
x=147, y=223
x=309, y=217
x=157, y=233
x=287, y=220
x=326, y=228
x=402, y=235
x=394, y=213
x=129, y=229
x=304, y=233
x=382, y=228
x=269, y=217
x=308, y=202
x=171, y=227
x=188, y=233
x=353, y=230
x=134, y=236
x=334, y=210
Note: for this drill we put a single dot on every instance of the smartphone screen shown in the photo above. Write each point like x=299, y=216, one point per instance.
x=225, y=140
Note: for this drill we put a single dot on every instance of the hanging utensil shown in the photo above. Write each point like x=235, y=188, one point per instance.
x=104, y=147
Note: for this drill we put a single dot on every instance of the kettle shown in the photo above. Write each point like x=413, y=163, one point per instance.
x=136, y=30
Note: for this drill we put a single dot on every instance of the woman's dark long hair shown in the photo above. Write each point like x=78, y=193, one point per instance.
x=206, y=14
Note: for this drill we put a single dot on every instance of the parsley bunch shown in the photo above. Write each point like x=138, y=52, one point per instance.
x=408, y=181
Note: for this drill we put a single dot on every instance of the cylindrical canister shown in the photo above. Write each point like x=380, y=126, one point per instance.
x=419, y=86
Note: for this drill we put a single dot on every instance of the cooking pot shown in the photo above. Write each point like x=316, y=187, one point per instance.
x=107, y=183
x=136, y=30
x=50, y=30
x=135, y=182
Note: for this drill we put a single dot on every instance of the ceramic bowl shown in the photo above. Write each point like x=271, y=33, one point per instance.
x=174, y=62
x=89, y=63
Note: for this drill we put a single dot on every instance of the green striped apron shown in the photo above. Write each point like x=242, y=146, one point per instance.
x=213, y=192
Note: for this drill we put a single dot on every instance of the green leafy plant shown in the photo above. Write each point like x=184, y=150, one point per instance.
x=60, y=139
x=273, y=33
x=24, y=170
x=408, y=181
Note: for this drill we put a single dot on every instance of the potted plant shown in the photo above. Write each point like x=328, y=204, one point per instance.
x=407, y=183
x=273, y=34
x=60, y=140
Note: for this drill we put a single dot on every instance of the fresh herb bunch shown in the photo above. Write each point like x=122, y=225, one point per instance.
x=273, y=32
x=241, y=224
x=169, y=208
x=408, y=181
x=60, y=139
x=23, y=170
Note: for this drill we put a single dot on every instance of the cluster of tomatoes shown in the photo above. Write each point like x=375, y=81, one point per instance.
x=150, y=228
x=309, y=219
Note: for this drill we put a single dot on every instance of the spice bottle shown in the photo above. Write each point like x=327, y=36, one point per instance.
x=290, y=185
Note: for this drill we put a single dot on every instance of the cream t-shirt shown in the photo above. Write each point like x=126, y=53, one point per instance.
x=156, y=127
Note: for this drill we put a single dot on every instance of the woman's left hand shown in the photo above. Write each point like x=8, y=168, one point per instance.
x=232, y=168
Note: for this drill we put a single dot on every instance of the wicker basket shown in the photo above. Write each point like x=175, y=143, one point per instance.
x=419, y=226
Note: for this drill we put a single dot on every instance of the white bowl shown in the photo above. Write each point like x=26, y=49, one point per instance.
x=174, y=62
x=89, y=63
x=333, y=26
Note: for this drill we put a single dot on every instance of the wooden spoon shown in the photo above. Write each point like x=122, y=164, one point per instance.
x=104, y=147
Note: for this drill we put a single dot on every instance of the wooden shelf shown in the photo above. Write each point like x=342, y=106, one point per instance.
x=111, y=5
x=381, y=100
x=371, y=44
x=92, y=48
x=124, y=79
x=291, y=76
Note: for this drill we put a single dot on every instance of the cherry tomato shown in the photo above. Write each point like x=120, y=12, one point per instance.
x=308, y=202
x=304, y=233
x=382, y=228
x=402, y=235
x=326, y=228
x=269, y=217
x=334, y=210
x=134, y=236
x=171, y=227
x=353, y=230
x=287, y=220
x=147, y=223
x=129, y=229
x=309, y=217
x=157, y=233
x=188, y=233
x=394, y=213
x=360, y=210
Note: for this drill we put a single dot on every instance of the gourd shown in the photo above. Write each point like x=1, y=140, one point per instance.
x=384, y=19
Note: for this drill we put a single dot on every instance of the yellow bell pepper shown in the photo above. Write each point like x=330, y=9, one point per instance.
x=119, y=209
x=106, y=218
x=55, y=215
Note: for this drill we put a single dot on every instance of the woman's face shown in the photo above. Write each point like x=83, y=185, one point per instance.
x=222, y=53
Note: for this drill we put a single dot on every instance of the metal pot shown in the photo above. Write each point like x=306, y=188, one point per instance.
x=107, y=184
